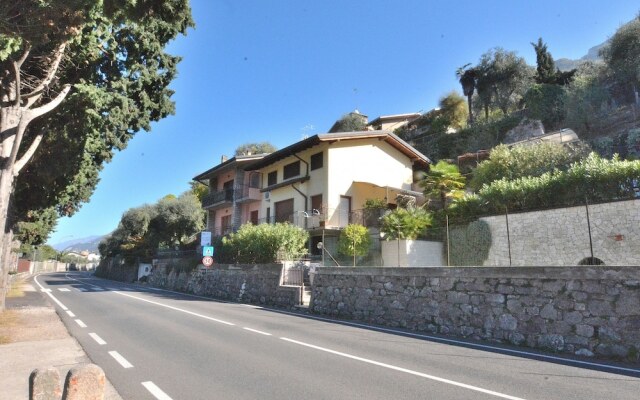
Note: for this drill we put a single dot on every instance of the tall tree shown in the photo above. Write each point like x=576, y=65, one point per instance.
x=81, y=77
x=255, y=148
x=546, y=67
x=467, y=78
x=454, y=110
x=623, y=57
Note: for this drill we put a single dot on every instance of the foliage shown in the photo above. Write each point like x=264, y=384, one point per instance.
x=36, y=226
x=546, y=71
x=374, y=204
x=545, y=102
x=264, y=243
x=403, y=223
x=352, y=122
x=354, y=241
x=467, y=78
x=38, y=253
x=586, y=97
x=199, y=189
x=169, y=223
x=443, y=182
x=469, y=244
x=255, y=148
x=525, y=160
x=592, y=178
x=503, y=78
x=453, y=111
x=115, y=61
x=623, y=56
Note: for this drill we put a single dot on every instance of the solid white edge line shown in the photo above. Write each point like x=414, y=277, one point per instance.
x=156, y=391
x=70, y=313
x=97, y=338
x=79, y=322
x=257, y=331
x=175, y=308
x=471, y=345
x=121, y=360
x=405, y=370
x=64, y=308
x=422, y=336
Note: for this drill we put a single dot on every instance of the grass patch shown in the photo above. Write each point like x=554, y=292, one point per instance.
x=8, y=320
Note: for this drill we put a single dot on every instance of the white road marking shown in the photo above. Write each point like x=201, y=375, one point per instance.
x=121, y=360
x=155, y=391
x=97, y=338
x=71, y=314
x=252, y=306
x=257, y=331
x=64, y=289
x=82, y=324
x=405, y=370
x=472, y=345
x=48, y=292
x=175, y=308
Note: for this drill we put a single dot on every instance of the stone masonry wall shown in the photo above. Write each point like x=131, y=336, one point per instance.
x=589, y=311
x=258, y=284
x=561, y=236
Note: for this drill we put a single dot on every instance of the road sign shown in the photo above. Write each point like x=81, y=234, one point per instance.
x=205, y=238
x=207, y=261
x=207, y=251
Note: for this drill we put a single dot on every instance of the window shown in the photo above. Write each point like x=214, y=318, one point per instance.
x=268, y=215
x=272, y=178
x=291, y=170
x=253, y=218
x=316, y=203
x=225, y=224
x=284, y=210
x=317, y=161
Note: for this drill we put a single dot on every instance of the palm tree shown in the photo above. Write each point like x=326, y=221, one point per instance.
x=467, y=78
x=442, y=182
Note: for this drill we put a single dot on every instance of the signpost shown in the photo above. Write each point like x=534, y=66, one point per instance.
x=205, y=238
x=207, y=261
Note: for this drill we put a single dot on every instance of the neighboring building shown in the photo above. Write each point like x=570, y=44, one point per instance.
x=392, y=122
x=234, y=194
x=321, y=183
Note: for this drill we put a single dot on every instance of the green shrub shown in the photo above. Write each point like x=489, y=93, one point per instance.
x=404, y=223
x=545, y=102
x=264, y=243
x=354, y=241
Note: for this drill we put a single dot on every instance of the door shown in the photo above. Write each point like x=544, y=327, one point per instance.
x=344, y=210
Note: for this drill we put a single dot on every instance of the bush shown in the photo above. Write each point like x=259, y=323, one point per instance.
x=545, y=102
x=264, y=243
x=593, y=178
x=404, y=223
x=521, y=161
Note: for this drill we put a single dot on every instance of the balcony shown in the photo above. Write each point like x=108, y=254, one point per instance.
x=218, y=199
x=247, y=194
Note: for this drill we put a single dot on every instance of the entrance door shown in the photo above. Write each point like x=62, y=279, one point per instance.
x=344, y=210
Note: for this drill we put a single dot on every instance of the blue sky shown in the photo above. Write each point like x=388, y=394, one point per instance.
x=256, y=70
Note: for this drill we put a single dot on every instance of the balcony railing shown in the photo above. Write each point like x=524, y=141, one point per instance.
x=246, y=193
x=218, y=198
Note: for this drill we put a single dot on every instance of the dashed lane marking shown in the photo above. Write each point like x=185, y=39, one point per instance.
x=121, y=360
x=82, y=324
x=97, y=338
x=71, y=314
x=64, y=289
x=155, y=391
x=257, y=331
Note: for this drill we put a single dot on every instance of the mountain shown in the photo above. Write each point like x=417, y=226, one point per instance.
x=89, y=243
x=565, y=64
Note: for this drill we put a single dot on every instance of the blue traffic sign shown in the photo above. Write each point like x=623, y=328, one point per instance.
x=207, y=251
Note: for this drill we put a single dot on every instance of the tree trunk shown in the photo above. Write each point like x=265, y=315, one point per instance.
x=470, y=110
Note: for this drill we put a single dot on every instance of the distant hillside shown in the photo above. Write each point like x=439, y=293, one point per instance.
x=565, y=64
x=89, y=243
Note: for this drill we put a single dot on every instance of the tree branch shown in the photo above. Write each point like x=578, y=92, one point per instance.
x=16, y=79
x=23, y=58
x=51, y=73
x=27, y=156
x=36, y=112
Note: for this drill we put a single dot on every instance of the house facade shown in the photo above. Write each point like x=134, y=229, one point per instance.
x=322, y=183
x=234, y=194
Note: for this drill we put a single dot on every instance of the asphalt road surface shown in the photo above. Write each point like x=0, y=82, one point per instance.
x=155, y=344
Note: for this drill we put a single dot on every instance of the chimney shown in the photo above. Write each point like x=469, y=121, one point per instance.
x=223, y=159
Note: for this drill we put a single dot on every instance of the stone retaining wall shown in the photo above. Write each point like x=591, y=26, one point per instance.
x=258, y=284
x=590, y=311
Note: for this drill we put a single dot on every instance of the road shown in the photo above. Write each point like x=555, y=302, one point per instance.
x=155, y=344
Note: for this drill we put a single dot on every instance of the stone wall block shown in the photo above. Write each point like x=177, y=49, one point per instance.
x=84, y=383
x=44, y=384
